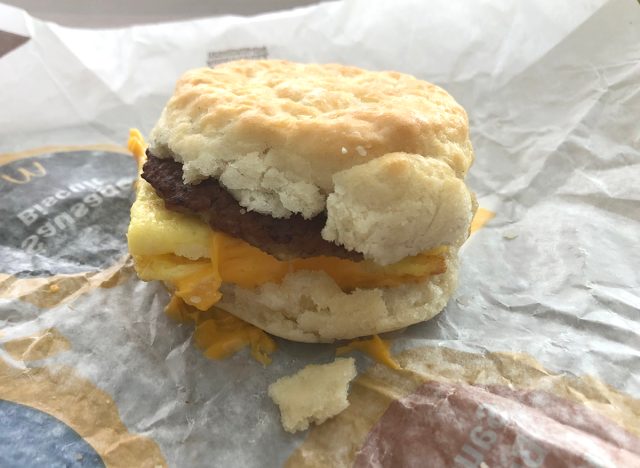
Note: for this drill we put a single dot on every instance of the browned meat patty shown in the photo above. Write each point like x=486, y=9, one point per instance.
x=285, y=239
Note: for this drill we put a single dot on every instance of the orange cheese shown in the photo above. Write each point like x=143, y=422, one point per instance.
x=234, y=261
x=219, y=334
x=482, y=217
x=247, y=266
x=137, y=146
x=375, y=347
x=181, y=312
x=200, y=289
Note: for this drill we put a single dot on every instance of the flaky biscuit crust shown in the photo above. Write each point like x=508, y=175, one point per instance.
x=310, y=111
x=277, y=134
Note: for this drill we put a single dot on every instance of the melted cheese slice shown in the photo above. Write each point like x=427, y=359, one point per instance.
x=234, y=261
x=247, y=266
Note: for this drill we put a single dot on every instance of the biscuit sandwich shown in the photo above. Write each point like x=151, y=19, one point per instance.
x=316, y=202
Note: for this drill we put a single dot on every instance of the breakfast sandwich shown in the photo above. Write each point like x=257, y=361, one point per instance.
x=316, y=202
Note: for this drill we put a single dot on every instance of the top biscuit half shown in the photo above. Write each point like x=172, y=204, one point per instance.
x=382, y=153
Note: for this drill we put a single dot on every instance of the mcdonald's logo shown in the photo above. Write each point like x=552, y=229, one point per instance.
x=25, y=175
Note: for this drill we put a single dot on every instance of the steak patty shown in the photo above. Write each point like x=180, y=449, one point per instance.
x=294, y=237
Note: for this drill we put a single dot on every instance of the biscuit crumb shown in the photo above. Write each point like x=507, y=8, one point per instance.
x=313, y=394
x=361, y=151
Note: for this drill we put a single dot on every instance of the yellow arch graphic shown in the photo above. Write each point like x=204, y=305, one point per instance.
x=75, y=401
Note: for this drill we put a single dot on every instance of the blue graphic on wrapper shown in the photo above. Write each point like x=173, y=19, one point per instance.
x=64, y=212
x=30, y=438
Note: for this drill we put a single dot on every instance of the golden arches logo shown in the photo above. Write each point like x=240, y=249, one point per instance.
x=26, y=174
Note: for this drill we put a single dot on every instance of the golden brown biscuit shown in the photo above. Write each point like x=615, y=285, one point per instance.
x=289, y=138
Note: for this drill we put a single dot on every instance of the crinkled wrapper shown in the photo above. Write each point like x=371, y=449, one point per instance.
x=534, y=362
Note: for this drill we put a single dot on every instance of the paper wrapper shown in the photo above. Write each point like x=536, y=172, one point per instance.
x=534, y=362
